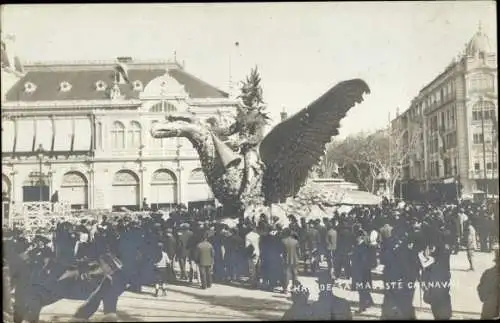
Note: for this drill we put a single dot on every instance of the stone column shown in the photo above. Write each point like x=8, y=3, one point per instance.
x=181, y=186
x=142, y=169
x=90, y=188
x=13, y=196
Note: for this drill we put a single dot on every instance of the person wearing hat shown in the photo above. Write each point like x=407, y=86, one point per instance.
x=345, y=241
x=204, y=258
x=252, y=246
x=470, y=236
x=184, y=237
x=169, y=246
x=312, y=243
x=233, y=256
x=291, y=258
x=330, y=245
x=265, y=245
x=488, y=290
x=361, y=271
x=161, y=272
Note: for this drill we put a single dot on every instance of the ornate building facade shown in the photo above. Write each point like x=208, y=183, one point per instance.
x=79, y=132
x=455, y=118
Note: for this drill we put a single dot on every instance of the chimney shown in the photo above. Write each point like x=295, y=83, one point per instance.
x=124, y=59
x=284, y=114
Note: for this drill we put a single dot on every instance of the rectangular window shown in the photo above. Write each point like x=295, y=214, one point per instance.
x=477, y=166
x=478, y=138
x=488, y=166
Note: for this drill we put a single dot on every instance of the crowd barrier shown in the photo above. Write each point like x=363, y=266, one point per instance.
x=32, y=216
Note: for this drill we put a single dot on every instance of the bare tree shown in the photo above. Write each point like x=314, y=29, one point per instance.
x=388, y=152
x=383, y=154
x=347, y=155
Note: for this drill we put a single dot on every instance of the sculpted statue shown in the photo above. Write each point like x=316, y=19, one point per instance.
x=265, y=169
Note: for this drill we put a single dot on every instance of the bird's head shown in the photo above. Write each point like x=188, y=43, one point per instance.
x=174, y=126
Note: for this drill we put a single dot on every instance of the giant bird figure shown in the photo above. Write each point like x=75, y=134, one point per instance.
x=287, y=153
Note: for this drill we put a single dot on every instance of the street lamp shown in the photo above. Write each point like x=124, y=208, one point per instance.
x=485, y=174
x=40, y=151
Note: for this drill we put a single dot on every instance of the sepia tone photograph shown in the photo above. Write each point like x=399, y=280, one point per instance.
x=250, y=161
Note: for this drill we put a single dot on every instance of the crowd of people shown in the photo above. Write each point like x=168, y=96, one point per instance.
x=412, y=242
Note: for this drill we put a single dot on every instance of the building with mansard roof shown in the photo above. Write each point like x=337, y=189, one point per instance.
x=92, y=125
x=452, y=123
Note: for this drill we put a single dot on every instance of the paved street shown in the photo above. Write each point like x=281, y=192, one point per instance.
x=222, y=302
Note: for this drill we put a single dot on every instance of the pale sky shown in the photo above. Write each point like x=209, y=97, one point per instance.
x=301, y=49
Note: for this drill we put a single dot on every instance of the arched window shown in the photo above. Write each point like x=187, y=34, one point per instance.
x=74, y=189
x=125, y=191
x=118, y=135
x=163, y=106
x=163, y=189
x=198, y=189
x=134, y=135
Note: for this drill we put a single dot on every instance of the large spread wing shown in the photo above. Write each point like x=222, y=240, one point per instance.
x=293, y=147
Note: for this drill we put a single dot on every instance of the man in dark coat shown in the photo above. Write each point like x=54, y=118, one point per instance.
x=344, y=246
x=312, y=245
x=290, y=259
x=331, y=246
x=265, y=245
x=184, y=235
x=170, y=248
x=234, y=245
x=217, y=241
x=205, y=260
x=361, y=272
x=489, y=291
x=436, y=279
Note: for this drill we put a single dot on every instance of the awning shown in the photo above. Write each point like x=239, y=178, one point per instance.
x=44, y=133
x=352, y=197
x=63, y=134
x=25, y=135
x=83, y=135
x=8, y=135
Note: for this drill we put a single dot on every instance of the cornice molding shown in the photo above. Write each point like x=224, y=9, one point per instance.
x=70, y=104
x=98, y=65
x=214, y=102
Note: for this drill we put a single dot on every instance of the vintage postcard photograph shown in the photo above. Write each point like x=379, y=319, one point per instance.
x=250, y=161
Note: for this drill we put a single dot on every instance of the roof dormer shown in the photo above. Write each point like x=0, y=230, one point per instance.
x=137, y=85
x=64, y=86
x=100, y=85
x=29, y=87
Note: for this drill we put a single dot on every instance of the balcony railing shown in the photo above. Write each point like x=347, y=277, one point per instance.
x=479, y=174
